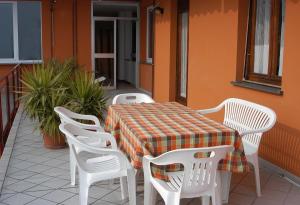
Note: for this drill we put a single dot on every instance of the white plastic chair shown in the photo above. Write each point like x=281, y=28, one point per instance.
x=199, y=177
x=251, y=121
x=109, y=164
x=132, y=98
x=67, y=116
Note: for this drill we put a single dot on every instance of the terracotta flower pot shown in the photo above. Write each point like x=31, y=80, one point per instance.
x=57, y=142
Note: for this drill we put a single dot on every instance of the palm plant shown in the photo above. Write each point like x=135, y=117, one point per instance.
x=86, y=96
x=57, y=84
x=45, y=87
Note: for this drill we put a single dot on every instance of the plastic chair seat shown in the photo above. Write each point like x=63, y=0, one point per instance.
x=174, y=183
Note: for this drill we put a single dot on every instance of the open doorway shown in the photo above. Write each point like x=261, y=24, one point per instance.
x=115, y=44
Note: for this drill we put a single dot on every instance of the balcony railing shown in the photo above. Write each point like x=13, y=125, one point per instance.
x=10, y=87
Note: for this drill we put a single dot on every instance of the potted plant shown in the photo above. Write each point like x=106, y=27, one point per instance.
x=86, y=96
x=44, y=87
x=58, y=84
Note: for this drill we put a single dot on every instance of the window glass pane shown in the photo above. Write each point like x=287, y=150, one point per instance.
x=262, y=35
x=150, y=33
x=29, y=25
x=281, y=37
x=184, y=33
x=6, y=32
x=104, y=37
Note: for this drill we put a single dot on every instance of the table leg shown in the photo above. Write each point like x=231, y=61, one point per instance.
x=225, y=184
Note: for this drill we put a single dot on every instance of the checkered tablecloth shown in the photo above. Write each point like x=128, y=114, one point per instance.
x=156, y=128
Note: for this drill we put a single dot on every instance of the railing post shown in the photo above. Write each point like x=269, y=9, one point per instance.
x=14, y=89
x=1, y=125
x=7, y=101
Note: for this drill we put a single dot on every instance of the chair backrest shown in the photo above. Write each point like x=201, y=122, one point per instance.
x=200, y=167
x=67, y=116
x=243, y=115
x=132, y=98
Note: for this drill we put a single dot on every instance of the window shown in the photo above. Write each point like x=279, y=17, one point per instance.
x=182, y=50
x=149, y=46
x=20, y=37
x=265, y=41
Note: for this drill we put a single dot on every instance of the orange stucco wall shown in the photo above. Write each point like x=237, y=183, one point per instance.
x=213, y=34
x=165, y=52
x=213, y=60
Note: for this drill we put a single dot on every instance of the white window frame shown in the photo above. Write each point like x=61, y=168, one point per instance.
x=15, y=59
x=148, y=59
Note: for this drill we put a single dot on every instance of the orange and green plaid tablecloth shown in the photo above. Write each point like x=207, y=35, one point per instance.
x=156, y=128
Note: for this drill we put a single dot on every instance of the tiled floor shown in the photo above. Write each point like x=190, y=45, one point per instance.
x=39, y=176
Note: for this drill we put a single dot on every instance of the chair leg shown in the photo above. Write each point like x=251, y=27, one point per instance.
x=72, y=168
x=205, y=200
x=124, y=190
x=83, y=189
x=131, y=187
x=174, y=200
x=257, y=177
x=216, y=198
x=149, y=193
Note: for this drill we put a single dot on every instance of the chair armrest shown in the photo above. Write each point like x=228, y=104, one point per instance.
x=211, y=110
x=108, y=137
x=247, y=132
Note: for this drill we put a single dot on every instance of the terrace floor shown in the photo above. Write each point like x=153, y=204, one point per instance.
x=39, y=176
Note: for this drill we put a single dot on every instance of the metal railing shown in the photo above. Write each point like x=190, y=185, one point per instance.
x=10, y=87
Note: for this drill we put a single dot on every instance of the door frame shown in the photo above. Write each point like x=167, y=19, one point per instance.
x=136, y=19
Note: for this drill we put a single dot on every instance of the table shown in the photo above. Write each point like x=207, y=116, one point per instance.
x=156, y=128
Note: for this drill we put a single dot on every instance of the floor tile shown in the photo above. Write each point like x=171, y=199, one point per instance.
x=23, y=174
x=100, y=202
x=56, y=183
x=19, y=199
x=5, y=196
x=114, y=197
x=241, y=199
x=38, y=168
x=98, y=192
x=273, y=195
x=38, y=178
x=292, y=199
x=264, y=201
x=20, y=186
x=38, y=193
x=248, y=190
x=58, y=196
x=278, y=183
x=41, y=202
x=75, y=201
